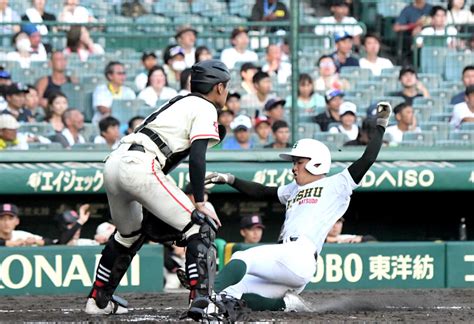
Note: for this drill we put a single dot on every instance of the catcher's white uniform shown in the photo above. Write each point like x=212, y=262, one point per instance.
x=134, y=178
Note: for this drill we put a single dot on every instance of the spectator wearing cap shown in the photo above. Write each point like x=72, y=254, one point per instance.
x=342, y=56
x=74, y=13
x=464, y=112
x=331, y=115
x=467, y=80
x=173, y=57
x=36, y=14
x=438, y=27
x=15, y=97
x=38, y=50
x=371, y=60
x=157, y=87
x=335, y=235
x=70, y=224
x=409, y=23
x=348, y=117
x=225, y=118
x=48, y=85
x=233, y=102
x=8, y=16
x=251, y=228
x=103, y=232
x=148, y=62
x=21, y=54
x=186, y=38
x=9, y=139
x=32, y=101
x=109, y=132
x=412, y=87
x=73, y=121
x=274, y=109
x=281, y=135
x=328, y=76
x=274, y=66
x=202, y=53
x=239, y=51
x=105, y=94
x=9, y=236
x=5, y=82
x=241, y=126
x=79, y=41
x=263, y=129
x=339, y=21
x=185, y=82
x=405, y=118
x=247, y=71
x=263, y=92
x=308, y=100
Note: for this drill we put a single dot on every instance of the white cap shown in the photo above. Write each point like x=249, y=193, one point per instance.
x=241, y=122
x=9, y=122
x=105, y=228
x=316, y=151
x=346, y=107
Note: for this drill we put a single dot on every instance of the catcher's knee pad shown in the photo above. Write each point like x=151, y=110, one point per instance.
x=201, y=256
x=113, y=265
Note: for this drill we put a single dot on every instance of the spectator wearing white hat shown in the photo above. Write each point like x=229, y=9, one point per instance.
x=9, y=139
x=241, y=126
x=348, y=118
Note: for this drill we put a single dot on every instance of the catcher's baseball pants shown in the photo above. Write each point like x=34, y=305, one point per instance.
x=274, y=269
x=133, y=179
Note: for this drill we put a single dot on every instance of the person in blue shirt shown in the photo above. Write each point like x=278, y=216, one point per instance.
x=342, y=56
x=467, y=79
x=241, y=126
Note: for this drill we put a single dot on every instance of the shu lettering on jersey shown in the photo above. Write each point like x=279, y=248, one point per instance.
x=305, y=196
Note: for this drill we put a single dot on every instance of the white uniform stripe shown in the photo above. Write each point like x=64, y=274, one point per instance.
x=104, y=268
x=102, y=278
x=103, y=273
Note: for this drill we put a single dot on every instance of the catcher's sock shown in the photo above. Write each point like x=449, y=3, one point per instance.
x=232, y=273
x=259, y=303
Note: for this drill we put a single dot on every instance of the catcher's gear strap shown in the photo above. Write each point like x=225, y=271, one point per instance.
x=201, y=256
x=256, y=190
x=172, y=158
x=197, y=168
x=358, y=169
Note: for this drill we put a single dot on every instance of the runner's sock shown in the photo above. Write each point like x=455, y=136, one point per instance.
x=230, y=275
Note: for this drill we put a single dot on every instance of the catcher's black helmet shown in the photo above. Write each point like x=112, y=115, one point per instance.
x=206, y=74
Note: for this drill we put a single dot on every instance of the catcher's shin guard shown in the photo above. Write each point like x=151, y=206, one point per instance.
x=113, y=265
x=201, y=257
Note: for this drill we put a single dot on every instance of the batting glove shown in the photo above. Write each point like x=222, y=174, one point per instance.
x=219, y=178
x=383, y=113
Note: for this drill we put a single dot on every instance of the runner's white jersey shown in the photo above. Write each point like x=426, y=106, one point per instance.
x=312, y=209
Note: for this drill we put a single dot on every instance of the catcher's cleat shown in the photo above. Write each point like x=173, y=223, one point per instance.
x=113, y=307
x=183, y=278
x=294, y=303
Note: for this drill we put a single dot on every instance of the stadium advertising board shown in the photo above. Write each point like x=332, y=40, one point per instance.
x=68, y=270
x=460, y=265
x=378, y=265
x=87, y=177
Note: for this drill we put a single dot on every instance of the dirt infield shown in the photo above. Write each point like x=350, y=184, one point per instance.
x=443, y=305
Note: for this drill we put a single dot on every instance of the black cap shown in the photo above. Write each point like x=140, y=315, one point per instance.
x=406, y=69
x=225, y=109
x=8, y=209
x=251, y=221
x=208, y=73
x=339, y=3
x=273, y=102
x=15, y=88
x=233, y=94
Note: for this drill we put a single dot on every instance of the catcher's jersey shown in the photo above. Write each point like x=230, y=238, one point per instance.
x=186, y=120
x=312, y=209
